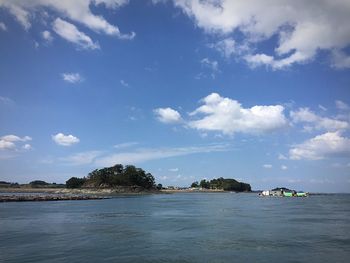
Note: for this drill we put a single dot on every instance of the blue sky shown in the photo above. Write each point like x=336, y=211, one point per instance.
x=185, y=89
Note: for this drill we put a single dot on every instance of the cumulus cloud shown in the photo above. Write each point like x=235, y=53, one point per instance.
x=173, y=169
x=167, y=115
x=340, y=105
x=78, y=11
x=267, y=166
x=15, y=138
x=302, y=27
x=12, y=142
x=6, y=145
x=46, y=35
x=3, y=27
x=330, y=144
x=228, y=116
x=71, y=33
x=65, y=140
x=304, y=115
x=27, y=147
x=72, y=77
x=284, y=167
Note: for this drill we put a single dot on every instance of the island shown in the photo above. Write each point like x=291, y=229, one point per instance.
x=108, y=181
x=98, y=184
x=118, y=178
x=222, y=184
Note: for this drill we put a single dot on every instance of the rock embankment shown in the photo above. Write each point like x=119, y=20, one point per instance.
x=27, y=198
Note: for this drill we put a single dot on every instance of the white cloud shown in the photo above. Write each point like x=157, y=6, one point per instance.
x=10, y=142
x=112, y=3
x=284, y=167
x=81, y=158
x=302, y=27
x=322, y=107
x=22, y=15
x=27, y=147
x=340, y=59
x=167, y=115
x=173, y=169
x=226, y=46
x=124, y=83
x=71, y=33
x=282, y=157
x=3, y=27
x=65, y=140
x=340, y=105
x=46, y=35
x=125, y=145
x=72, y=77
x=78, y=11
x=229, y=117
x=15, y=138
x=211, y=64
x=330, y=144
x=6, y=145
x=143, y=155
x=6, y=100
x=304, y=115
x=267, y=166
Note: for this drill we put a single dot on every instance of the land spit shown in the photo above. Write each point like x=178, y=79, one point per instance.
x=49, y=197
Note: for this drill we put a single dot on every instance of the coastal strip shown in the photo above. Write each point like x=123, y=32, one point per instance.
x=31, y=198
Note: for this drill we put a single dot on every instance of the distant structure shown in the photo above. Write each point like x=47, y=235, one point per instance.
x=283, y=192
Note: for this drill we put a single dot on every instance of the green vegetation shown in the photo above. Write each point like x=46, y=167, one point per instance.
x=38, y=183
x=224, y=184
x=75, y=182
x=195, y=184
x=4, y=184
x=43, y=184
x=116, y=175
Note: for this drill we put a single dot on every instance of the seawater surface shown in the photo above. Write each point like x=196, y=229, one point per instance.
x=189, y=227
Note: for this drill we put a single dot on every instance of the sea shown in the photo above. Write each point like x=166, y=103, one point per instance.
x=181, y=227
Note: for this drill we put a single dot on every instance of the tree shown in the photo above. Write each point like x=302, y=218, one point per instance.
x=195, y=184
x=204, y=184
x=116, y=175
x=224, y=184
x=38, y=183
x=75, y=182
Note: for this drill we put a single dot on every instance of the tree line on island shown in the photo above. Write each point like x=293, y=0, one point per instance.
x=117, y=175
x=129, y=177
x=223, y=184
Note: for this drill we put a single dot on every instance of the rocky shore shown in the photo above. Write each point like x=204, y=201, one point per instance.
x=49, y=197
x=62, y=194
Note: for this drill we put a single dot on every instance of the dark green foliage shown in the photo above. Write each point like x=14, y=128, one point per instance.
x=118, y=175
x=225, y=184
x=159, y=186
x=195, y=184
x=4, y=184
x=75, y=182
x=38, y=183
x=204, y=184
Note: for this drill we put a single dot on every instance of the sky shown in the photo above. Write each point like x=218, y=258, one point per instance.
x=187, y=90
